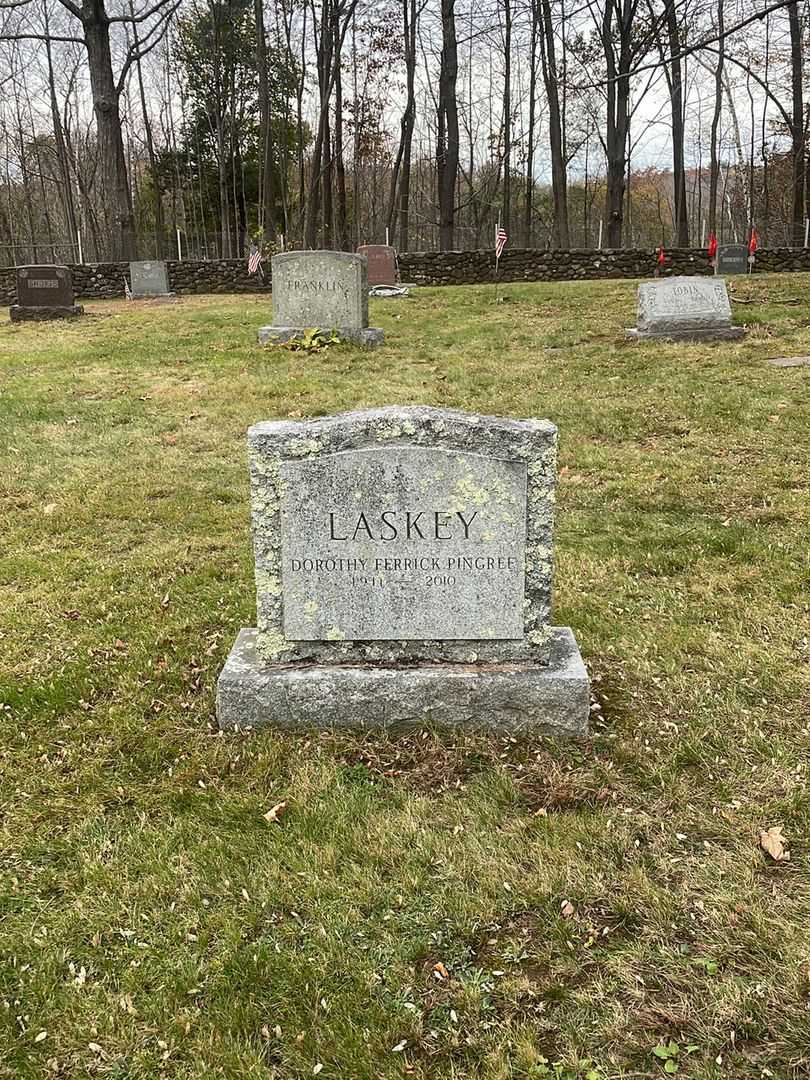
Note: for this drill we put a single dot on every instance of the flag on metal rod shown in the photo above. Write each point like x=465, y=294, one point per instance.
x=660, y=261
x=712, y=249
x=753, y=243
x=500, y=241
x=255, y=259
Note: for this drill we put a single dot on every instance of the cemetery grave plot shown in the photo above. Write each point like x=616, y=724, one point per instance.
x=180, y=903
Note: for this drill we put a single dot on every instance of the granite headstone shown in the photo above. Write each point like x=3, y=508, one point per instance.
x=687, y=308
x=732, y=259
x=382, y=263
x=403, y=575
x=148, y=279
x=44, y=292
x=324, y=290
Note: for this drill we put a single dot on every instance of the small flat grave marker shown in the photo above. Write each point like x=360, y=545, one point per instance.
x=44, y=292
x=403, y=575
x=684, y=308
x=790, y=361
x=324, y=290
x=148, y=279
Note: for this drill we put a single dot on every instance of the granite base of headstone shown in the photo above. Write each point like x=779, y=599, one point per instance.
x=403, y=577
x=684, y=309
x=149, y=280
x=44, y=292
x=320, y=290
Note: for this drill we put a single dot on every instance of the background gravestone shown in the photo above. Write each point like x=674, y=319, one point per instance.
x=403, y=575
x=325, y=290
x=685, y=308
x=148, y=279
x=382, y=263
x=44, y=292
x=732, y=259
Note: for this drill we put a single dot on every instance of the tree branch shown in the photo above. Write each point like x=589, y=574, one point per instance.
x=40, y=37
x=72, y=8
x=138, y=18
x=145, y=46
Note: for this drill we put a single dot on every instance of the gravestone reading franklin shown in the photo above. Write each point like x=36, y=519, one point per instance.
x=684, y=308
x=732, y=259
x=323, y=290
x=382, y=263
x=148, y=279
x=403, y=575
x=44, y=292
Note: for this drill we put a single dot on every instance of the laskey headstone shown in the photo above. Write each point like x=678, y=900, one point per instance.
x=403, y=576
x=382, y=263
x=148, y=279
x=44, y=292
x=732, y=259
x=324, y=290
x=684, y=308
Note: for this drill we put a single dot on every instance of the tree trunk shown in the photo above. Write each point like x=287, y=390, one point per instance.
x=62, y=158
x=676, y=103
x=401, y=175
x=447, y=142
x=618, y=112
x=507, y=115
x=106, y=107
x=559, y=179
x=529, y=194
x=150, y=149
x=267, y=194
x=797, y=125
x=714, y=165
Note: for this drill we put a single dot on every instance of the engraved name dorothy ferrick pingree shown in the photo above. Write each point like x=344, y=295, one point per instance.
x=396, y=524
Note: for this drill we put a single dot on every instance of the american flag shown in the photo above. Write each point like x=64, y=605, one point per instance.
x=255, y=259
x=500, y=241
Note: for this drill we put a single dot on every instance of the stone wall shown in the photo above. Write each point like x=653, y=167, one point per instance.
x=532, y=264
x=106, y=280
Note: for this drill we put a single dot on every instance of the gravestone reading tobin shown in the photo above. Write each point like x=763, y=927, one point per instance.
x=323, y=290
x=732, y=259
x=382, y=263
x=403, y=576
x=44, y=292
x=148, y=279
x=684, y=308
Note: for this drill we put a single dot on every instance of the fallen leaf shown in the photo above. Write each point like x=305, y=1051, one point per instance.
x=440, y=971
x=95, y=1048
x=49, y=509
x=317, y=1069
x=275, y=812
x=399, y=1047
x=775, y=844
x=41, y=1036
x=567, y=909
x=170, y=440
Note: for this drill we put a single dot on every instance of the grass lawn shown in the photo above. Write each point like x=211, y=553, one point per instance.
x=407, y=917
